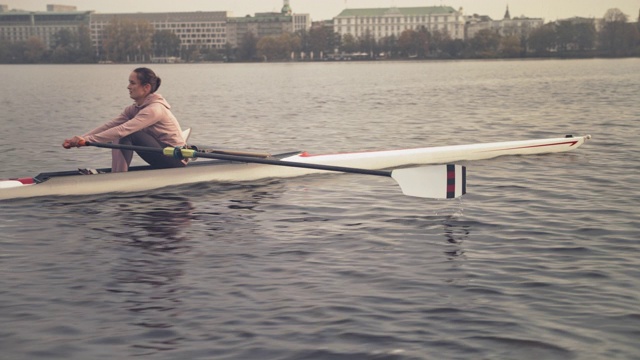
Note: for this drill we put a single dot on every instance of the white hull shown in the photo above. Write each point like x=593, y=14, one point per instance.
x=134, y=181
x=444, y=154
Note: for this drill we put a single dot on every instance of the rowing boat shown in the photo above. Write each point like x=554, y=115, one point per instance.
x=231, y=169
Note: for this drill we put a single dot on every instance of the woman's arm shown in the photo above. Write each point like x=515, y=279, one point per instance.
x=117, y=128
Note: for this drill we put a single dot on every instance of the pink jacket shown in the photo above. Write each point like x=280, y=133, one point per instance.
x=154, y=116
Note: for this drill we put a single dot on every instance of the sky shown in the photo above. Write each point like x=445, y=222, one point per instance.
x=549, y=10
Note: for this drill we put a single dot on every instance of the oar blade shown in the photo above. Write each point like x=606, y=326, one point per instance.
x=435, y=181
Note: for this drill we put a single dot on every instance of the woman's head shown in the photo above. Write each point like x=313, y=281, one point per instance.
x=147, y=76
x=142, y=82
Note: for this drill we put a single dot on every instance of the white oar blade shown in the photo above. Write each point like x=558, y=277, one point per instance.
x=436, y=181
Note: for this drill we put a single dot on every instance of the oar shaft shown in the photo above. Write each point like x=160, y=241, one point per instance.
x=293, y=164
x=190, y=153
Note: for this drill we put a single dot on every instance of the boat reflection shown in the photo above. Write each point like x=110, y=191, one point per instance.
x=148, y=276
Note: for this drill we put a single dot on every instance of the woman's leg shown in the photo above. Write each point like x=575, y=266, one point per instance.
x=120, y=159
x=156, y=160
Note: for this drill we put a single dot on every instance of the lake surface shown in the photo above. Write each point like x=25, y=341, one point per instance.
x=538, y=261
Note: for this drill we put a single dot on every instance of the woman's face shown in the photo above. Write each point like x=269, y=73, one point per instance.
x=137, y=91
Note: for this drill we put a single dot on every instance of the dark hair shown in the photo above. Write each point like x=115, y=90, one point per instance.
x=147, y=76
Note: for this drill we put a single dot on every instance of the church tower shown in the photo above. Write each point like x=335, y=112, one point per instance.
x=507, y=16
x=286, y=8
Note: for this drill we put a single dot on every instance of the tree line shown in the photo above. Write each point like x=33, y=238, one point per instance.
x=136, y=41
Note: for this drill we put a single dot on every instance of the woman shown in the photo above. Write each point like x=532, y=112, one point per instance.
x=148, y=122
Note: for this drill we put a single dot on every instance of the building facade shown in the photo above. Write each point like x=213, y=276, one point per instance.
x=200, y=29
x=385, y=22
x=17, y=26
x=206, y=29
x=266, y=24
x=262, y=24
x=518, y=26
x=475, y=23
x=301, y=22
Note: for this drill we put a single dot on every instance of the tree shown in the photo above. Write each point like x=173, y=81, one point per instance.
x=278, y=47
x=322, y=40
x=455, y=48
x=72, y=46
x=575, y=36
x=166, y=43
x=86, y=52
x=585, y=35
x=349, y=43
x=565, y=35
x=63, y=43
x=212, y=54
x=613, y=36
x=229, y=53
x=413, y=43
x=485, y=43
x=4, y=51
x=64, y=38
x=542, y=39
x=128, y=40
x=11, y=53
x=510, y=46
x=367, y=44
x=34, y=50
x=305, y=40
x=247, y=50
x=389, y=45
x=439, y=43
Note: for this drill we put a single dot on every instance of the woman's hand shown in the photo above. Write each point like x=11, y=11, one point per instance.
x=75, y=141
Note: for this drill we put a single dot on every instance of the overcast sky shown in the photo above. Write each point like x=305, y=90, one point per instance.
x=327, y=9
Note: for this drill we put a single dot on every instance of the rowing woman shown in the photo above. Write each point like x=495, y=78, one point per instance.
x=147, y=122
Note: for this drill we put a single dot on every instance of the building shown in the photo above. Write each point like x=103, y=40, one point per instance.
x=301, y=22
x=203, y=29
x=20, y=25
x=475, y=23
x=260, y=25
x=266, y=24
x=518, y=26
x=385, y=22
x=61, y=8
x=210, y=30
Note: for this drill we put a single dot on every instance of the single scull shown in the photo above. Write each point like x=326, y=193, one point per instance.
x=230, y=169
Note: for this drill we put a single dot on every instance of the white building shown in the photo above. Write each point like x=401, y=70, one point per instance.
x=301, y=22
x=384, y=22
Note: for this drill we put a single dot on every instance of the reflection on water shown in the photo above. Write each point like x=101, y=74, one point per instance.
x=148, y=275
x=455, y=234
x=157, y=222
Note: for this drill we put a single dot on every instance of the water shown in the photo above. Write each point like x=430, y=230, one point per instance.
x=539, y=260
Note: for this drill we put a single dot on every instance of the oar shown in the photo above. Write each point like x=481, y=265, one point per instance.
x=434, y=181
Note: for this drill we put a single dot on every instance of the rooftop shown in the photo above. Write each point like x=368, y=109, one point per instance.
x=407, y=11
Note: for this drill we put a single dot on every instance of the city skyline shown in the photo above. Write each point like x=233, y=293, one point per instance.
x=549, y=10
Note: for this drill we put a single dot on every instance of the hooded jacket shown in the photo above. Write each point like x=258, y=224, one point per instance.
x=153, y=116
